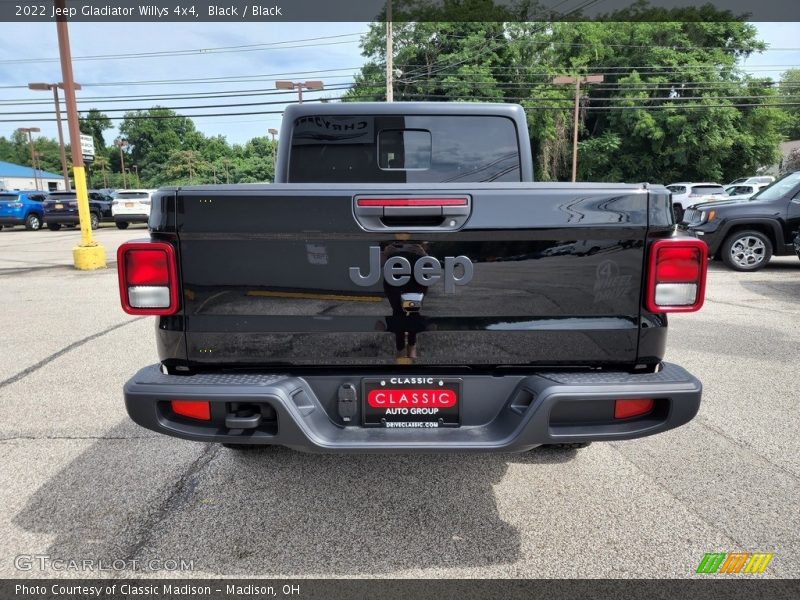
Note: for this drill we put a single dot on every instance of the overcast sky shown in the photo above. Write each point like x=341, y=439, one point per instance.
x=334, y=59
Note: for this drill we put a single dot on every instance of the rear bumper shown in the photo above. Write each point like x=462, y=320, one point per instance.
x=527, y=411
x=51, y=219
x=132, y=218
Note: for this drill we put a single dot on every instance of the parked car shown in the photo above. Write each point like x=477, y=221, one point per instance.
x=745, y=234
x=687, y=194
x=131, y=206
x=22, y=208
x=104, y=200
x=759, y=179
x=743, y=191
x=61, y=208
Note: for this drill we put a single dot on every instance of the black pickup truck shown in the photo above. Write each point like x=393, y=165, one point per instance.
x=406, y=286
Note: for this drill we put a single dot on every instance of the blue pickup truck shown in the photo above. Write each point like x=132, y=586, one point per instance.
x=22, y=208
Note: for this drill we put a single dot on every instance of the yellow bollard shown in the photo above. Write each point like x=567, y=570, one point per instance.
x=88, y=255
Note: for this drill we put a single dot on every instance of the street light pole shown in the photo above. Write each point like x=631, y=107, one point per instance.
x=61, y=147
x=29, y=131
x=577, y=81
x=121, y=143
x=299, y=85
x=37, y=169
x=389, y=53
x=88, y=254
x=273, y=132
x=138, y=181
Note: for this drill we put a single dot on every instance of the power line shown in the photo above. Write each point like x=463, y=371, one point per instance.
x=206, y=80
x=199, y=106
x=188, y=96
x=527, y=108
x=195, y=51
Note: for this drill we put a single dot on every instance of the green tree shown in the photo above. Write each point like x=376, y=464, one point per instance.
x=153, y=135
x=94, y=124
x=789, y=93
x=673, y=105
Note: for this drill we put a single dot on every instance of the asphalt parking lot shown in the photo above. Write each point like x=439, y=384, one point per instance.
x=78, y=480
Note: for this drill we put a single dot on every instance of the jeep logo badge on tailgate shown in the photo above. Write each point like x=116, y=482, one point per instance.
x=427, y=270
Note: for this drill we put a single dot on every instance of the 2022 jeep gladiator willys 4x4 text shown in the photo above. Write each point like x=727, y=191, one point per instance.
x=406, y=286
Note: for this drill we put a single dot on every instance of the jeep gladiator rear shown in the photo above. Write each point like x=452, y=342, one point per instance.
x=406, y=286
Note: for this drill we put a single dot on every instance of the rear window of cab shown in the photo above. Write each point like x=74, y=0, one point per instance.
x=403, y=149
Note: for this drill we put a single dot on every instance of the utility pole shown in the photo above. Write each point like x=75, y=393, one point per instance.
x=389, y=54
x=62, y=148
x=37, y=169
x=565, y=80
x=121, y=143
x=29, y=131
x=299, y=85
x=88, y=254
x=273, y=132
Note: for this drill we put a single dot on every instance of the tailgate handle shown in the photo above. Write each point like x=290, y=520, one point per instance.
x=378, y=213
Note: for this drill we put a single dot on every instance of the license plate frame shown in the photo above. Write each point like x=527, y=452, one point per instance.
x=414, y=412
x=129, y=205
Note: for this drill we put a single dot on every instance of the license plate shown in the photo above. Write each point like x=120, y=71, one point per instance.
x=59, y=206
x=129, y=205
x=411, y=402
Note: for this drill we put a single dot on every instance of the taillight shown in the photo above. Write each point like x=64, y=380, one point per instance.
x=148, y=278
x=676, y=277
x=193, y=409
x=633, y=407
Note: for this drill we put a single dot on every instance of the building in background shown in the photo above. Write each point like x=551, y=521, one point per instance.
x=18, y=177
x=786, y=149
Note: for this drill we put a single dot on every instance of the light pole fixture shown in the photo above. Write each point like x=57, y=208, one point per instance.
x=30, y=131
x=566, y=80
x=54, y=86
x=299, y=86
x=122, y=143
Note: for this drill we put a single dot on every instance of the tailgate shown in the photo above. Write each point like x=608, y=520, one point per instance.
x=295, y=274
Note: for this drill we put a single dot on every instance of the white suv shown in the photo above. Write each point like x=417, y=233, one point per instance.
x=686, y=194
x=131, y=206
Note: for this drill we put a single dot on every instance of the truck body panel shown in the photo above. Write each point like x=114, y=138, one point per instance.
x=557, y=277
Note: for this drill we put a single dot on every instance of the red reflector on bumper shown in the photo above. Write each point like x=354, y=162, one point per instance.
x=193, y=409
x=625, y=409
